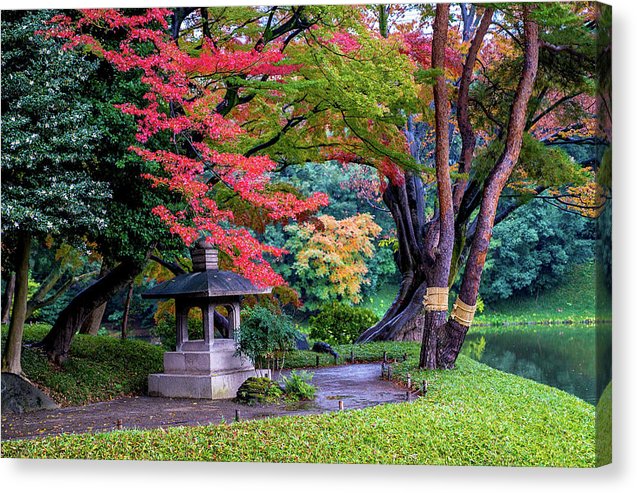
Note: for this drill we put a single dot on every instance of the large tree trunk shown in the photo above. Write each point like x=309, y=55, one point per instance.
x=13, y=350
x=424, y=257
x=435, y=315
x=7, y=298
x=93, y=321
x=453, y=334
x=403, y=319
x=58, y=341
x=406, y=323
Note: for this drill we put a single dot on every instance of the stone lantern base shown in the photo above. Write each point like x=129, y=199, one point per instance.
x=203, y=372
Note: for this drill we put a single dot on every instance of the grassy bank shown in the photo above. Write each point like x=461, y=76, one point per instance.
x=380, y=302
x=99, y=368
x=572, y=301
x=472, y=415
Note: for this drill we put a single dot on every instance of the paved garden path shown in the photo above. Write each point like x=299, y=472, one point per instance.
x=357, y=385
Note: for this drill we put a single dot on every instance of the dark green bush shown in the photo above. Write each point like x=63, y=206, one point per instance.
x=338, y=323
x=297, y=386
x=533, y=250
x=265, y=336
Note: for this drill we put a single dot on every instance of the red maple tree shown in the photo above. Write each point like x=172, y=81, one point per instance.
x=183, y=98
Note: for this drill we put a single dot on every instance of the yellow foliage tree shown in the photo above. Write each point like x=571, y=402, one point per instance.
x=330, y=257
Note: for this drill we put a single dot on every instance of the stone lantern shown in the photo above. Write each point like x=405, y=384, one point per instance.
x=207, y=368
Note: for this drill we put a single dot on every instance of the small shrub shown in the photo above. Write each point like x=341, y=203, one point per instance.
x=338, y=323
x=259, y=390
x=297, y=386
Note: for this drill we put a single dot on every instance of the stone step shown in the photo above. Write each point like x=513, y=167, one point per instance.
x=223, y=385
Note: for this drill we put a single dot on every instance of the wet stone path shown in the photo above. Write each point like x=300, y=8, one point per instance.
x=357, y=385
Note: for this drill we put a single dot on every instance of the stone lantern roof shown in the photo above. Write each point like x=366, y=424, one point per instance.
x=206, y=280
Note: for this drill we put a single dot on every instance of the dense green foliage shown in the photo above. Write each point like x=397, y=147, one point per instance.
x=550, y=166
x=265, y=336
x=99, y=367
x=49, y=134
x=347, y=187
x=297, y=386
x=471, y=416
x=66, y=165
x=534, y=249
x=338, y=323
x=604, y=246
x=348, y=190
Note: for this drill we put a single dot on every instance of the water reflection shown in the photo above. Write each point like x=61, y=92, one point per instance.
x=574, y=358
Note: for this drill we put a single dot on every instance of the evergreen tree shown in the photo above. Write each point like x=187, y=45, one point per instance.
x=48, y=151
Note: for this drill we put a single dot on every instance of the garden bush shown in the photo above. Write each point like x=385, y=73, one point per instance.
x=265, y=336
x=533, y=250
x=338, y=323
x=297, y=386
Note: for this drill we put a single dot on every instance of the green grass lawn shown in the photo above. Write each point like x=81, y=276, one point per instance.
x=380, y=302
x=473, y=415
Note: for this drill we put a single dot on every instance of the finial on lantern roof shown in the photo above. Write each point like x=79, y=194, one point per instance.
x=204, y=256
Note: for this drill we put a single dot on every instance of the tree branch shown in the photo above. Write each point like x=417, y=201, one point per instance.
x=552, y=107
x=34, y=305
x=173, y=267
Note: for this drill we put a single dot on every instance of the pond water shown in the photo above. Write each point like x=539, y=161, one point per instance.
x=574, y=358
